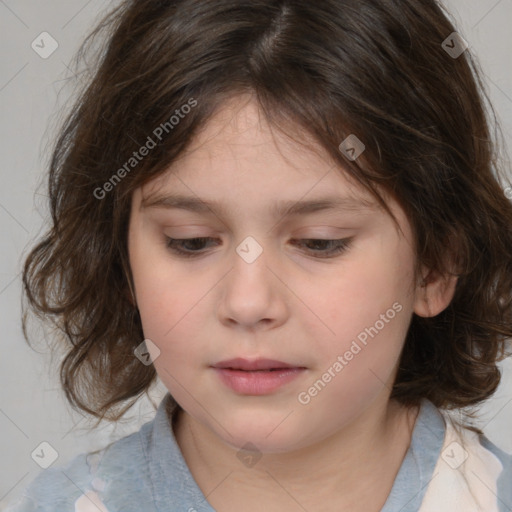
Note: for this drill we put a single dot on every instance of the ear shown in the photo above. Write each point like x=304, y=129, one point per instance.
x=434, y=293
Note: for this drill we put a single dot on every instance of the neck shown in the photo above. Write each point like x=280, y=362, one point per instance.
x=364, y=455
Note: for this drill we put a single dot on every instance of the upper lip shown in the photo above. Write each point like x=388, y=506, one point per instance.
x=240, y=363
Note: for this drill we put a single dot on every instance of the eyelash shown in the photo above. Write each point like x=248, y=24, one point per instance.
x=174, y=245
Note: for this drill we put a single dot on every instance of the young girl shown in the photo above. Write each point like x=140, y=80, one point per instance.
x=292, y=214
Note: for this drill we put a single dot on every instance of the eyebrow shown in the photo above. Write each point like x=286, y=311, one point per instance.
x=280, y=209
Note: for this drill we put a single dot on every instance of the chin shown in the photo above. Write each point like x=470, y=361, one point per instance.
x=268, y=435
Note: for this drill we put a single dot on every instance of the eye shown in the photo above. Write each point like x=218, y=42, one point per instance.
x=334, y=247
x=176, y=245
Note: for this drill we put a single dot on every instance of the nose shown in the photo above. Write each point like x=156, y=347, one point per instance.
x=253, y=296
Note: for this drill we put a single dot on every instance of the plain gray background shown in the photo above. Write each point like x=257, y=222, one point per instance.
x=32, y=406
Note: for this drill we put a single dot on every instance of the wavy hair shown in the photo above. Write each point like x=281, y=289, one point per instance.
x=377, y=69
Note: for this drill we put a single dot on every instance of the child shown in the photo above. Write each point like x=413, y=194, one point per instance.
x=291, y=213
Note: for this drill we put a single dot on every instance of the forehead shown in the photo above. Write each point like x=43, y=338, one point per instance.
x=239, y=133
x=238, y=152
x=237, y=169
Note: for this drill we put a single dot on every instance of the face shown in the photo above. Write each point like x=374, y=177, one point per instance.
x=262, y=283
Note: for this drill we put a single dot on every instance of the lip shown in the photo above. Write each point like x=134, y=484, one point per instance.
x=239, y=363
x=256, y=377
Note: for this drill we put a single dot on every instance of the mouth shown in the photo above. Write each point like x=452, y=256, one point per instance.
x=256, y=365
x=257, y=377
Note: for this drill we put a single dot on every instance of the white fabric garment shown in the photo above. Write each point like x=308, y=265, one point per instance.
x=465, y=477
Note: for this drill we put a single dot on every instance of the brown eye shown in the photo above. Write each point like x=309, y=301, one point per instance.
x=194, y=247
x=176, y=245
x=334, y=247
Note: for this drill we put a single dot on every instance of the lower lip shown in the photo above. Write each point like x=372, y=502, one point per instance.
x=257, y=382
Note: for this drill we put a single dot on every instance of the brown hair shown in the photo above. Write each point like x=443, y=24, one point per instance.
x=376, y=69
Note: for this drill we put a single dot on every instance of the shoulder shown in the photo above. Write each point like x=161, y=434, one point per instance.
x=90, y=479
x=504, y=457
x=504, y=480
x=55, y=488
x=491, y=465
x=472, y=473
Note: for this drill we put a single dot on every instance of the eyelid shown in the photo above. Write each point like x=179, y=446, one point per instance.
x=341, y=245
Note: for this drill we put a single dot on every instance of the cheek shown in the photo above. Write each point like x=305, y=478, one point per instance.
x=172, y=306
x=158, y=291
x=167, y=307
x=367, y=301
x=169, y=321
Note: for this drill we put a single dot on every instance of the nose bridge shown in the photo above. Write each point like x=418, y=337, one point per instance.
x=249, y=250
x=250, y=264
x=250, y=293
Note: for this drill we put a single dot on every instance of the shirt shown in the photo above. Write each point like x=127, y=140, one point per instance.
x=445, y=469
